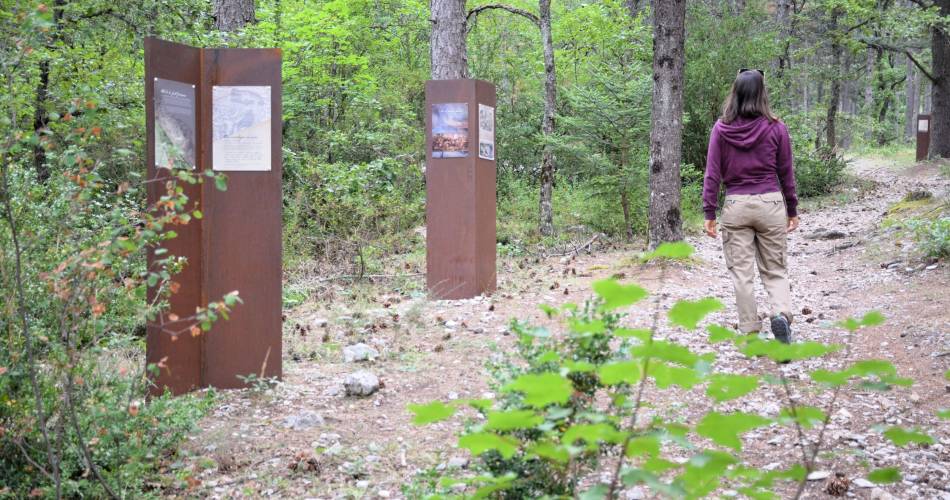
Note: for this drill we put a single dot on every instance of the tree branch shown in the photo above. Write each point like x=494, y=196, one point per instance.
x=903, y=50
x=473, y=14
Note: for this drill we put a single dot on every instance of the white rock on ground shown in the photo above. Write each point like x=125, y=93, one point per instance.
x=359, y=352
x=304, y=420
x=361, y=383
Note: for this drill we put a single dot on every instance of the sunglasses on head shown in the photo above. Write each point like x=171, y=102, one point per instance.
x=743, y=70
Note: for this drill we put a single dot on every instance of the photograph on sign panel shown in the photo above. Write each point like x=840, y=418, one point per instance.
x=486, y=132
x=241, y=126
x=450, y=130
x=174, y=124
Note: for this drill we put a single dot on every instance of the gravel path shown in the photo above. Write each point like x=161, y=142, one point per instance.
x=305, y=438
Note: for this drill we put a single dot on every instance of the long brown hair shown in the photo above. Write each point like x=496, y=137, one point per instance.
x=747, y=98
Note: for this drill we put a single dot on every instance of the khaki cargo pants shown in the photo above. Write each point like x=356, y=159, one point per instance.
x=754, y=233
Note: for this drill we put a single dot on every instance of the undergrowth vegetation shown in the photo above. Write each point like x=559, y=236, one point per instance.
x=571, y=405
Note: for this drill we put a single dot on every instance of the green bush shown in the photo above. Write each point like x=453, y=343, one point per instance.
x=933, y=236
x=568, y=403
x=818, y=172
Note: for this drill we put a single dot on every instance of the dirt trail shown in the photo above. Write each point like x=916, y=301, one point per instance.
x=367, y=448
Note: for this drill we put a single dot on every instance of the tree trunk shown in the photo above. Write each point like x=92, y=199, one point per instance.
x=834, y=96
x=40, y=121
x=546, y=225
x=913, y=104
x=666, y=131
x=940, y=114
x=232, y=15
x=447, y=47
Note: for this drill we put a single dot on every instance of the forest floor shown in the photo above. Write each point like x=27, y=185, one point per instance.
x=304, y=438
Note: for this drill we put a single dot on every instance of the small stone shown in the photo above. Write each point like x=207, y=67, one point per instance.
x=457, y=463
x=362, y=484
x=931, y=267
x=320, y=322
x=303, y=421
x=818, y=475
x=879, y=494
x=862, y=483
x=361, y=383
x=359, y=352
x=383, y=493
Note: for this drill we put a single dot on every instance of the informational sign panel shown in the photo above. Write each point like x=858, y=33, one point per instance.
x=174, y=123
x=923, y=137
x=486, y=132
x=450, y=130
x=241, y=122
x=460, y=188
x=217, y=109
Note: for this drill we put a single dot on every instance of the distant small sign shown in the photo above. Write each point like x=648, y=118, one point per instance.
x=923, y=125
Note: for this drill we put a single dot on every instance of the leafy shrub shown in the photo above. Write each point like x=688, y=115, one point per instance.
x=568, y=406
x=933, y=236
x=818, y=172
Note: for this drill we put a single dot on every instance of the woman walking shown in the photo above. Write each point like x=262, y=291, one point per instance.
x=751, y=153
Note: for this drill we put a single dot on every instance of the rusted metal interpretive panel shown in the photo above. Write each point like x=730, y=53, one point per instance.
x=236, y=131
x=460, y=188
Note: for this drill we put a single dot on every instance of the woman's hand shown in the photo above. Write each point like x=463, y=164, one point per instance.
x=710, y=227
x=792, y=224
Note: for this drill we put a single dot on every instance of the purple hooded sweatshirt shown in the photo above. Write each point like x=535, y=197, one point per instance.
x=749, y=156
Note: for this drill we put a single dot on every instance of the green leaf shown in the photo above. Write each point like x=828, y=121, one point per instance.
x=550, y=451
x=620, y=372
x=221, y=182
x=806, y=416
x=946, y=375
x=667, y=351
x=688, y=313
x=872, y=318
x=579, y=366
x=643, y=445
x=510, y=420
x=944, y=413
x=666, y=375
x=885, y=475
x=900, y=436
x=719, y=333
x=592, y=434
x=639, y=333
x=596, y=492
x=778, y=351
x=723, y=387
x=831, y=378
x=616, y=295
x=724, y=429
x=432, y=412
x=542, y=389
x=480, y=442
x=676, y=250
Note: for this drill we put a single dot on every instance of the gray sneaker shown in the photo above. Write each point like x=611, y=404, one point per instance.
x=781, y=329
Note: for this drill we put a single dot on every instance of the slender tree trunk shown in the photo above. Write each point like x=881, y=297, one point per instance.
x=546, y=225
x=834, y=97
x=40, y=121
x=940, y=114
x=913, y=104
x=869, y=84
x=447, y=47
x=232, y=15
x=666, y=133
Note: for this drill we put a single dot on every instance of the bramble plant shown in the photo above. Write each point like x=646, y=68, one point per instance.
x=74, y=418
x=573, y=404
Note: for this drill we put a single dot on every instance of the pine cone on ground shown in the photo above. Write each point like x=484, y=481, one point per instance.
x=837, y=486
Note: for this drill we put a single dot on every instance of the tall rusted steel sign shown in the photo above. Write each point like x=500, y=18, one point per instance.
x=923, y=137
x=218, y=109
x=460, y=188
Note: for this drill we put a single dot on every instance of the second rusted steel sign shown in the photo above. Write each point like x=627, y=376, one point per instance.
x=460, y=188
